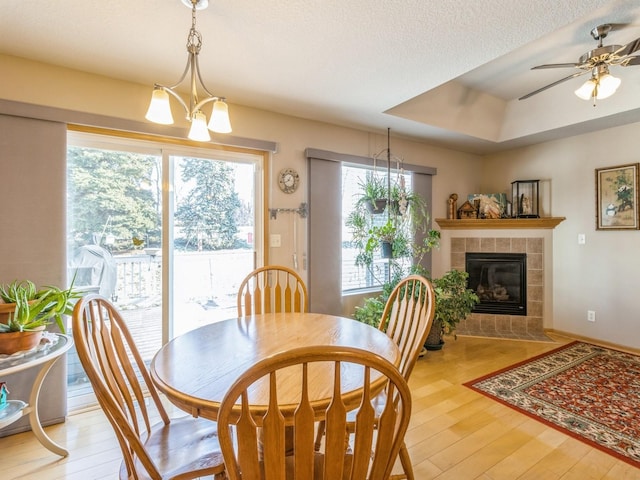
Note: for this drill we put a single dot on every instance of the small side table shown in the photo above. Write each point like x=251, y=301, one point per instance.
x=43, y=356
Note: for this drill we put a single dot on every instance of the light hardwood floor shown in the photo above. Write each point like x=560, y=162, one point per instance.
x=455, y=433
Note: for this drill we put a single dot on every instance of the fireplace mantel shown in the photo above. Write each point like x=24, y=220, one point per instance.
x=498, y=223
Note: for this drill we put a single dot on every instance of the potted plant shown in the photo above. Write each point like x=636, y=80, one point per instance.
x=25, y=311
x=454, y=302
x=373, y=193
x=383, y=236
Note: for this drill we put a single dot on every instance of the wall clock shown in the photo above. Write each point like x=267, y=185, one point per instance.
x=288, y=180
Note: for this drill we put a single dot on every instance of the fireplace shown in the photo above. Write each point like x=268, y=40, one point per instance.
x=499, y=280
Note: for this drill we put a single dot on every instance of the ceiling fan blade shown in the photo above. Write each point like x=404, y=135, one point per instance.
x=577, y=74
x=556, y=65
x=631, y=61
x=629, y=48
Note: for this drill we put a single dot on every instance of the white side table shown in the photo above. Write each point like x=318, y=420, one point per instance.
x=44, y=356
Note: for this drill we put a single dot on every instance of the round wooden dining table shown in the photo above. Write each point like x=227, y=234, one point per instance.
x=196, y=369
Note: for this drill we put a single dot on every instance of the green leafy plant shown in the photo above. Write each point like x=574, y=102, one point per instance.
x=384, y=233
x=371, y=311
x=372, y=188
x=454, y=301
x=35, y=307
x=400, y=231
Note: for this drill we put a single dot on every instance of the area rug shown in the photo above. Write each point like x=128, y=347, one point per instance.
x=589, y=392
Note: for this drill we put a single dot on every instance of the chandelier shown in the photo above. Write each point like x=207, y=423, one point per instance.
x=601, y=85
x=160, y=109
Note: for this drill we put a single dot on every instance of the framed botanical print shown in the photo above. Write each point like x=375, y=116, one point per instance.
x=617, y=198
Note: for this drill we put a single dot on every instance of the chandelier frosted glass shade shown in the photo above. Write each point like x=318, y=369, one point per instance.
x=199, y=130
x=159, y=108
x=220, y=118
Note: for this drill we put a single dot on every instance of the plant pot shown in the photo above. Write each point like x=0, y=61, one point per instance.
x=12, y=342
x=434, y=340
x=5, y=310
x=376, y=206
x=434, y=347
x=387, y=249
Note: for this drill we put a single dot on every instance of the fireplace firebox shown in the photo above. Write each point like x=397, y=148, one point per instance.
x=499, y=280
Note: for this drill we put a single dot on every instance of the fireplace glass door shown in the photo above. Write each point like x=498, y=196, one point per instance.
x=499, y=280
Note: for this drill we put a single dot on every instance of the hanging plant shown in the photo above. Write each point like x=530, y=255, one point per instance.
x=373, y=194
x=383, y=237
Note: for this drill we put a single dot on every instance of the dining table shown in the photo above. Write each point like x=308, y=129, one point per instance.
x=195, y=370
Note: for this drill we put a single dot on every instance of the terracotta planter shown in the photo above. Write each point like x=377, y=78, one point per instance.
x=12, y=342
x=5, y=310
x=9, y=308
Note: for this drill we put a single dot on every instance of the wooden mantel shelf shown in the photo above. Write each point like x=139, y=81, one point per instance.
x=498, y=223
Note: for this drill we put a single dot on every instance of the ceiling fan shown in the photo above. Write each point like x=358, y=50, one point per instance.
x=601, y=84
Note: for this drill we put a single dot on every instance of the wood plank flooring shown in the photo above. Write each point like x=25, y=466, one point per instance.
x=455, y=433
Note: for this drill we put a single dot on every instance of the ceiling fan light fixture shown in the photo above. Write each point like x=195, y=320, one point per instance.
x=597, y=61
x=585, y=92
x=607, y=86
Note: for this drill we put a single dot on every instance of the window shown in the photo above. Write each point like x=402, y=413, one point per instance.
x=356, y=276
x=166, y=232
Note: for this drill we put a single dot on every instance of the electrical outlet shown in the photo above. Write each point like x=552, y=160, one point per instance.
x=591, y=316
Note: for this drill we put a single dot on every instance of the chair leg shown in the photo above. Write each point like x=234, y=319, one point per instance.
x=319, y=435
x=405, y=460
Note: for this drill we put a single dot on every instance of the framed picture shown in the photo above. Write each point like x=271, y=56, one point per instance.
x=617, y=198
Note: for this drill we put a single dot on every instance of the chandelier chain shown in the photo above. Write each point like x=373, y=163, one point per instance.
x=194, y=40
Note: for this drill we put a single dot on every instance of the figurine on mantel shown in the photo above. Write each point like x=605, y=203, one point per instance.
x=453, y=206
x=525, y=205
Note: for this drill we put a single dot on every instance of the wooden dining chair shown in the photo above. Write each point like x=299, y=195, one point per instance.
x=182, y=448
x=262, y=454
x=272, y=289
x=406, y=319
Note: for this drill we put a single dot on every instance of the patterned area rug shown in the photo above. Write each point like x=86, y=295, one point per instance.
x=589, y=392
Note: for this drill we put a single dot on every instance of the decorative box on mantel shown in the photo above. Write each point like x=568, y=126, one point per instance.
x=525, y=197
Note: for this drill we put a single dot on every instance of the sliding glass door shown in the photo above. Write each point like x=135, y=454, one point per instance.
x=213, y=232
x=166, y=233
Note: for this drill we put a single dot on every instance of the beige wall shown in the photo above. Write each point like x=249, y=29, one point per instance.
x=600, y=275
x=41, y=84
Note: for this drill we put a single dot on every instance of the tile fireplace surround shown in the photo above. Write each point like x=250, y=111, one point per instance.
x=529, y=327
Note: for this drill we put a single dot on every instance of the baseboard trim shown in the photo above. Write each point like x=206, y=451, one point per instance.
x=623, y=348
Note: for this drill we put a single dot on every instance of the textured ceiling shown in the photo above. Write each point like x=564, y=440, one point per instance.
x=447, y=72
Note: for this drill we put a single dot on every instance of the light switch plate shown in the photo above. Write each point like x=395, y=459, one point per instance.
x=275, y=240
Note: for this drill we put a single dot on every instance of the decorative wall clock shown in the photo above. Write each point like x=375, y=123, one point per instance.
x=288, y=180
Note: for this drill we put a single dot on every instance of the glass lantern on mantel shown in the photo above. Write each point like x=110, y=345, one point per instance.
x=525, y=198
